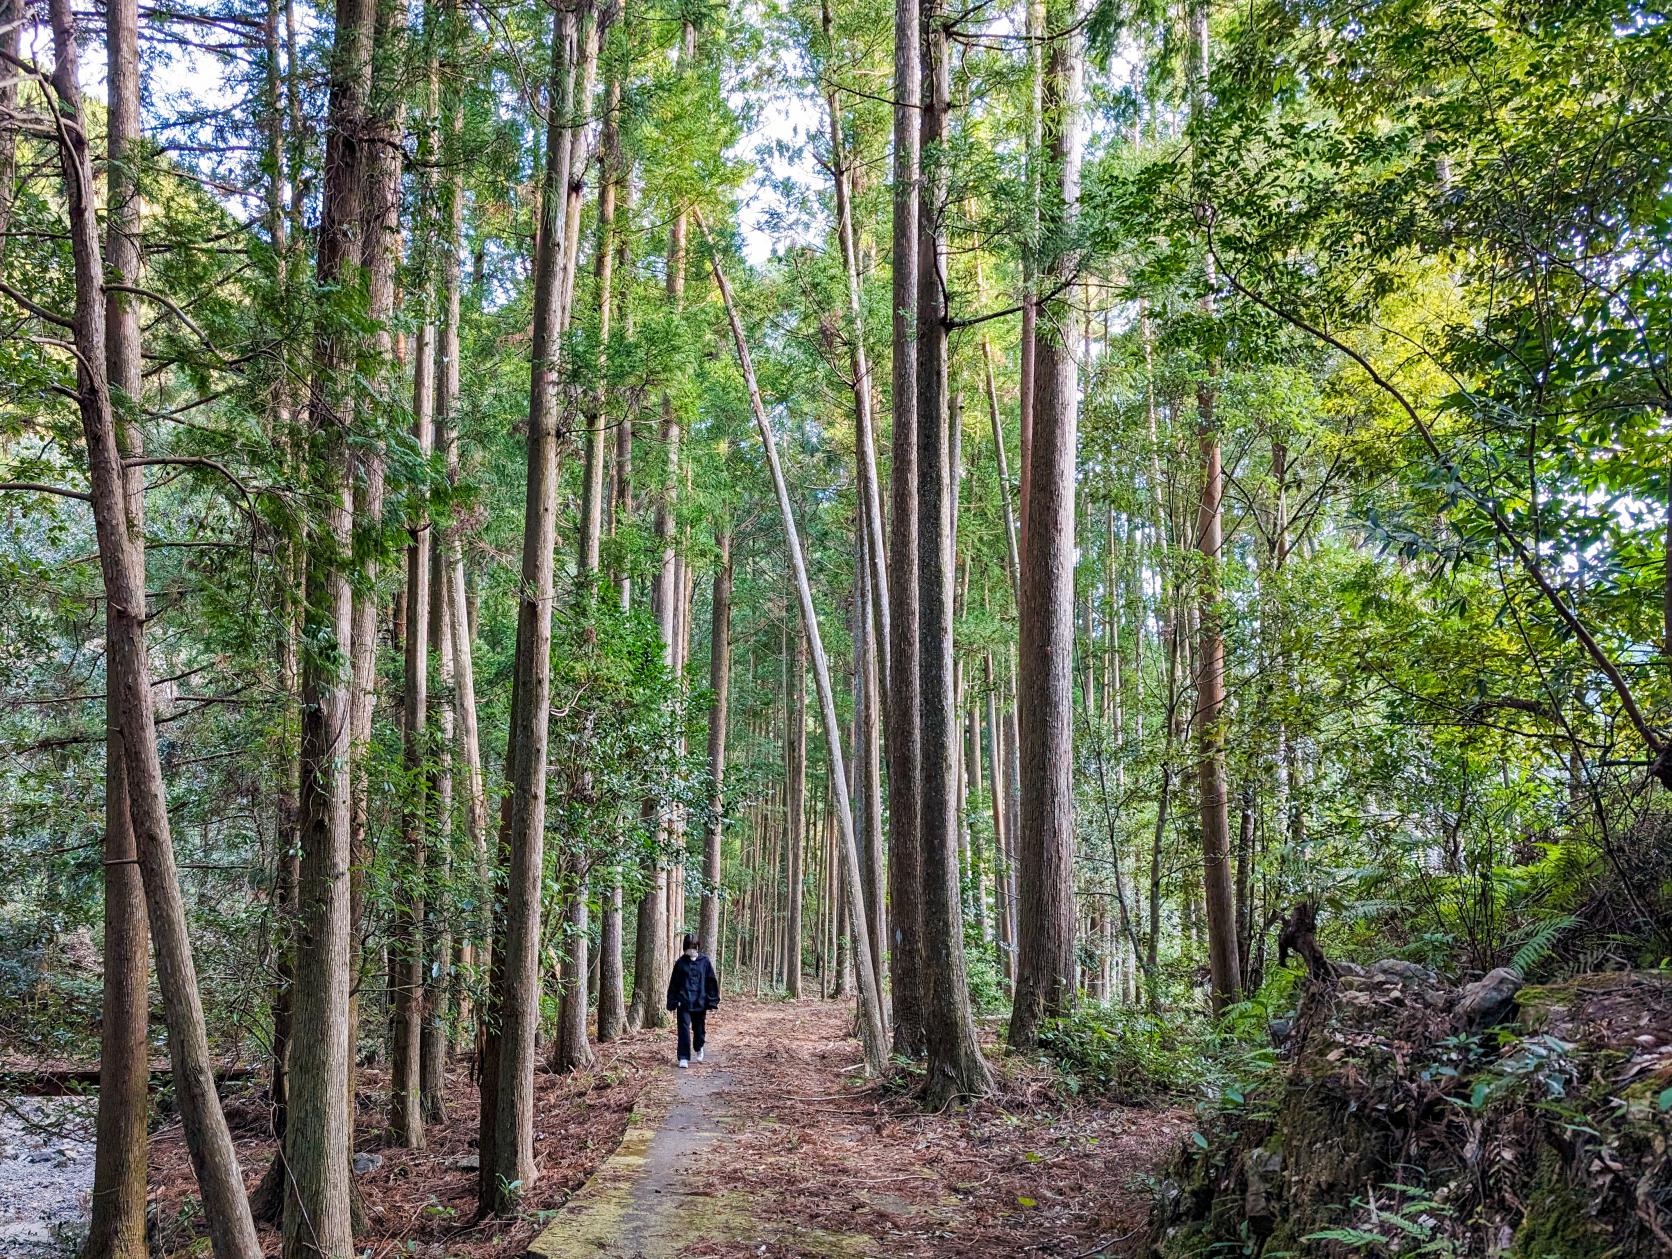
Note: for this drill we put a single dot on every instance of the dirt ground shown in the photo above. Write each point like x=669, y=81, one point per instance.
x=801, y=1156
x=832, y=1165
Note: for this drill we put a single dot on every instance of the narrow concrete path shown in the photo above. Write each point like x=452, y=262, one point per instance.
x=650, y=1199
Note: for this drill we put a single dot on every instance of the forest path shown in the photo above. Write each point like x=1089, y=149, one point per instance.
x=778, y=1145
x=653, y=1199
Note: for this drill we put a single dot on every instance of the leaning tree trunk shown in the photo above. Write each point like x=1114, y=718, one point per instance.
x=1045, y=963
x=872, y=1035
x=117, y=1227
x=956, y=1068
x=902, y=706
x=127, y=668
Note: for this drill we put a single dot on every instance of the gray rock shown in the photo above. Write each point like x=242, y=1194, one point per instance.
x=1260, y=1168
x=1402, y=972
x=466, y=1162
x=1490, y=999
x=364, y=1163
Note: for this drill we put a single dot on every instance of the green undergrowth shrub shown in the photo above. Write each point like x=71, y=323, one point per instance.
x=1127, y=1055
x=1133, y=1055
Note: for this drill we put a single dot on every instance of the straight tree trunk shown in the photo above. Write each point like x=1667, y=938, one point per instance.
x=903, y=711
x=651, y=956
x=127, y=669
x=379, y=232
x=570, y=1050
x=473, y=950
x=795, y=820
x=614, y=186
x=318, y=1209
x=511, y=1169
x=438, y=980
x=1045, y=857
x=12, y=18
x=1223, y=965
x=1038, y=42
x=956, y=1069
x=406, y=1110
x=719, y=683
x=865, y=446
x=1003, y=943
x=117, y=1227
x=872, y=1034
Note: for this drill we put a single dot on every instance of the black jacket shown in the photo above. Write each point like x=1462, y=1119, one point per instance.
x=693, y=984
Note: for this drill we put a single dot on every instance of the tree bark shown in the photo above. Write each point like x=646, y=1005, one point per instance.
x=865, y=446
x=956, y=1068
x=406, y=952
x=903, y=705
x=1045, y=858
x=1223, y=964
x=651, y=956
x=438, y=979
x=868, y=757
x=122, y=565
x=719, y=683
x=117, y=1227
x=318, y=1137
x=795, y=813
x=511, y=1169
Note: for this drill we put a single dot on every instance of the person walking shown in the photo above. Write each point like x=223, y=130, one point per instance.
x=693, y=990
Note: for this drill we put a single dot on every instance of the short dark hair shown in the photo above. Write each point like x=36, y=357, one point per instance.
x=691, y=942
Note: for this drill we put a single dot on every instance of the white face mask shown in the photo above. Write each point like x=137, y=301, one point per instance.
x=691, y=953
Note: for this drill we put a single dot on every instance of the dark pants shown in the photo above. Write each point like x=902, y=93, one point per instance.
x=691, y=1031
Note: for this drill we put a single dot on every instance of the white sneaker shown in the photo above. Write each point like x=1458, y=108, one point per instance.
x=699, y=1055
x=683, y=1063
